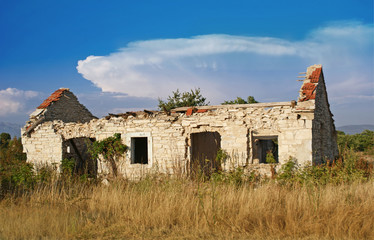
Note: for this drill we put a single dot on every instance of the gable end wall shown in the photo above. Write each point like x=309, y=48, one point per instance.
x=68, y=109
x=324, y=134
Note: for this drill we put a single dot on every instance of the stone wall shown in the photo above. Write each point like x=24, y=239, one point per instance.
x=68, y=109
x=302, y=130
x=40, y=142
x=324, y=134
x=169, y=136
x=44, y=146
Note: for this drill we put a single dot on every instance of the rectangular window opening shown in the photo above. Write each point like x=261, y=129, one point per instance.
x=139, y=150
x=266, y=149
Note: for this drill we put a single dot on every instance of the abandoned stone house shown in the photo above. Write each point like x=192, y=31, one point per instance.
x=61, y=128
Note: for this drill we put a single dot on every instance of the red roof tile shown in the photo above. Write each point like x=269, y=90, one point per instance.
x=53, y=98
x=309, y=88
x=202, y=110
x=189, y=112
x=314, y=77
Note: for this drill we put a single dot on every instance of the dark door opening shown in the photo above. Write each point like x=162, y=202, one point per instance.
x=205, y=146
x=139, y=150
x=77, y=149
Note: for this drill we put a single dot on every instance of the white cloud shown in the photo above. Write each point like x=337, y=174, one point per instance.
x=226, y=66
x=154, y=68
x=13, y=100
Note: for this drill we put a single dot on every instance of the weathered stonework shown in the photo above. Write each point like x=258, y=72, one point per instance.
x=303, y=130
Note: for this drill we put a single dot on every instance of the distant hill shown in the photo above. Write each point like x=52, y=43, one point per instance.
x=12, y=128
x=353, y=129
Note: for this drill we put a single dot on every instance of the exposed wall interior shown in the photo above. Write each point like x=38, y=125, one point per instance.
x=77, y=149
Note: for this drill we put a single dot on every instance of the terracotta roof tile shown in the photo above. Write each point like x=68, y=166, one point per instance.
x=53, y=98
x=189, y=112
x=314, y=77
x=309, y=88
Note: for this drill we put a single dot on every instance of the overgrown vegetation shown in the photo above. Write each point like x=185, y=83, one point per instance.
x=353, y=169
x=184, y=99
x=194, y=98
x=11, y=149
x=351, y=166
x=67, y=166
x=110, y=149
x=239, y=100
x=14, y=171
x=330, y=201
x=361, y=142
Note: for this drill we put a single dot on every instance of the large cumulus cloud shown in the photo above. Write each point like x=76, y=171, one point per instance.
x=226, y=66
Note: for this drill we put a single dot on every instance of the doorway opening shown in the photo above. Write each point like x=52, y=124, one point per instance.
x=76, y=149
x=204, y=148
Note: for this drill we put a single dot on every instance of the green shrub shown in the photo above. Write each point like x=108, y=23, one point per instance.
x=15, y=175
x=358, y=142
x=221, y=157
x=67, y=166
x=110, y=149
x=239, y=100
x=288, y=170
x=184, y=99
x=352, y=169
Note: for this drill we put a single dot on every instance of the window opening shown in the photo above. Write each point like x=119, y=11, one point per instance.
x=266, y=149
x=139, y=150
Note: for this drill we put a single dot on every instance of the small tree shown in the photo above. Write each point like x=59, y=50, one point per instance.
x=239, y=100
x=185, y=99
x=4, y=140
x=11, y=149
x=111, y=149
x=14, y=171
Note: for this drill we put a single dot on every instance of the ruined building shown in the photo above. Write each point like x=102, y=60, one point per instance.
x=304, y=130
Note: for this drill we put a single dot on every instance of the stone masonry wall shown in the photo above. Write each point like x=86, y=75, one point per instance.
x=324, y=134
x=44, y=146
x=68, y=109
x=303, y=130
x=40, y=142
x=169, y=137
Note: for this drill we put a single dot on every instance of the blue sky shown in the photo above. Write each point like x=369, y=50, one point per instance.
x=118, y=56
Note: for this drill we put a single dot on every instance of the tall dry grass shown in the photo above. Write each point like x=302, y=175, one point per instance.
x=177, y=208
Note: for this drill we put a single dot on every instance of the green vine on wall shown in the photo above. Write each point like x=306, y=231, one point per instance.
x=110, y=149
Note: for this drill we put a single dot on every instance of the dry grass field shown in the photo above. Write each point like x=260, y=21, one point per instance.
x=178, y=208
x=329, y=201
